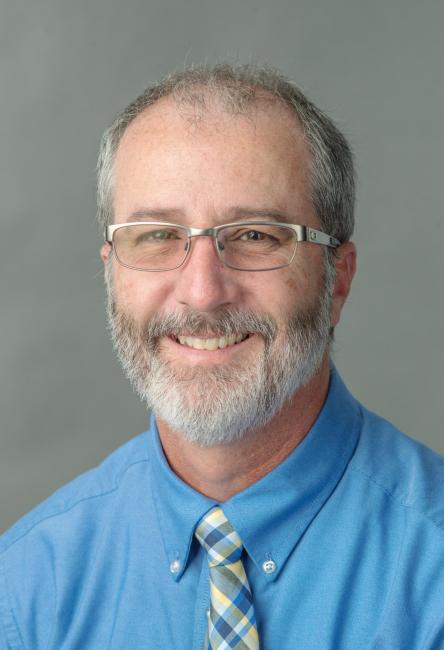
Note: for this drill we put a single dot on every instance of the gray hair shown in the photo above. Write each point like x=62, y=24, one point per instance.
x=238, y=88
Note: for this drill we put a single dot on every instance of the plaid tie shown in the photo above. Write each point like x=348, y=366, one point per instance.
x=232, y=622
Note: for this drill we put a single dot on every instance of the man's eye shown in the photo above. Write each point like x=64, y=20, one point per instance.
x=253, y=235
x=156, y=235
x=160, y=234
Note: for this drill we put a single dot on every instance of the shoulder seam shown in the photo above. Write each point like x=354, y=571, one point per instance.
x=391, y=496
x=72, y=505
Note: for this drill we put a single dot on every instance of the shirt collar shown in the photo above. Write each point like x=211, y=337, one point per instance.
x=272, y=514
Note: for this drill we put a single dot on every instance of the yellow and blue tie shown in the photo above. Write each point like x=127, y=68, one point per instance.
x=232, y=621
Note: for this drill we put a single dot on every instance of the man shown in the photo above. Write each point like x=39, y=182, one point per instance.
x=265, y=507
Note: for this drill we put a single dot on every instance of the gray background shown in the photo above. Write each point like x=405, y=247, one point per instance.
x=67, y=67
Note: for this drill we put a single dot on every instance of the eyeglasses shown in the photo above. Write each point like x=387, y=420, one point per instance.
x=244, y=246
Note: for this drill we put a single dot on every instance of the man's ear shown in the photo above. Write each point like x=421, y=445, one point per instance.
x=345, y=265
x=105, y=251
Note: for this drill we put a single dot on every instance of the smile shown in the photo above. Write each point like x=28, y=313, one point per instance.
x=214, y=343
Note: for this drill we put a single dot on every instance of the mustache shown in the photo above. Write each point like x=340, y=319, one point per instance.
x=224, y=322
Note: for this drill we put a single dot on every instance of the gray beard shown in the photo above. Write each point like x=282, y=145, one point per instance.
x=220, y=404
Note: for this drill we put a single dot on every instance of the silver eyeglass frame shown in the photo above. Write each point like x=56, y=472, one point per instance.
x=303, y=233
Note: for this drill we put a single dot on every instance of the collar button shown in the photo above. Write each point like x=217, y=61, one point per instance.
x=269, y=566
x=174, y=566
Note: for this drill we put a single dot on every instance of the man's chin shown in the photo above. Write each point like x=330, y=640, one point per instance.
x=199, y=381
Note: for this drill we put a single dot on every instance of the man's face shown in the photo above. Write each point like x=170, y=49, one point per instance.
x=272, y=327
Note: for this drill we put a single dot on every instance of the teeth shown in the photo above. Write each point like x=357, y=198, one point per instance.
x=210, y=344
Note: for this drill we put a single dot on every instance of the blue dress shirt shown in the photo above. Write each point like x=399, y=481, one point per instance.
x=344, y=548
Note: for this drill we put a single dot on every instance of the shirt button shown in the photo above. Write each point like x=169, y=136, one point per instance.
x=269, y=566
x=174, y=566
x=208, y=613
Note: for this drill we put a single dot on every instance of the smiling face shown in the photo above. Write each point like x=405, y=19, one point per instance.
x=216, y=351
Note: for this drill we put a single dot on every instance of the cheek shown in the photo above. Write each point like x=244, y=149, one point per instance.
x=297, y=291
x=138, y=295
x=300, y=284
x=292, y=285
x=306, y=279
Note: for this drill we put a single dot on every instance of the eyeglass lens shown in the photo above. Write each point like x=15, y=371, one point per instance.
x=154, y=247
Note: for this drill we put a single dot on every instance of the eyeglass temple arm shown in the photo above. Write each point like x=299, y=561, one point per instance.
x=318, y=237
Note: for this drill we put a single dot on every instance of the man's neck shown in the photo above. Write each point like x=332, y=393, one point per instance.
x=221, y=471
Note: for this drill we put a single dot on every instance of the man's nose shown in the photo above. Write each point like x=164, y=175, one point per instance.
x=203, y=282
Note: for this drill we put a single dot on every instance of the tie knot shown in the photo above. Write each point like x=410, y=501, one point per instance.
x=218, y=538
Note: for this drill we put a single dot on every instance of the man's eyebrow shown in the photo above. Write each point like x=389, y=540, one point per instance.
x=236, y=213
x=154, y=214
x=267, y=214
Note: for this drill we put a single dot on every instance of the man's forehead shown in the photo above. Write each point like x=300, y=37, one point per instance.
x=259, y=161
x=210, y=118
